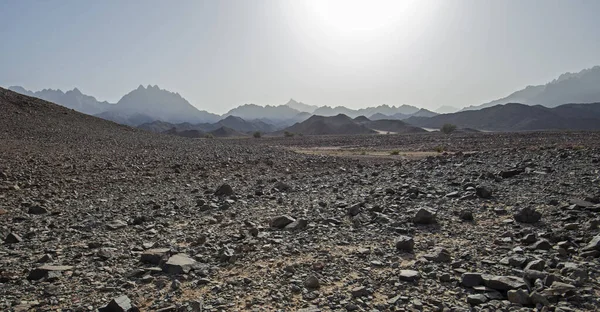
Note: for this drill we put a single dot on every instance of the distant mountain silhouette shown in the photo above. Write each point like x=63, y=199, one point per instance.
x=401, y=116
x=73, y=99
x=253, y=111
x=231, y=122
x=445, y=109
x=152, y=103
x=301, y=107
x=581, y=87
x=424, y=113
x=519, y=117
x=384, y=109
x=242, y=125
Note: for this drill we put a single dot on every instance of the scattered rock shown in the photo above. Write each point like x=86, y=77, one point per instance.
x=224, y=190
x=483, y=192
x=503, y=283
x=360, y=291
x=409, y=275
x=37, y=210
x=438, y=254
x=119, y=304
x=518, y=296
x=425, y=216
x=527, y=215
x=179, y=264
x=471, y=279
x=280, y=222
x=12, y=238
x=46, y=270
x=405, y=243
x=312, y=282
x=154, y=256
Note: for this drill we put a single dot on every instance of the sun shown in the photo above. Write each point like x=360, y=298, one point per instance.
x=359, y=17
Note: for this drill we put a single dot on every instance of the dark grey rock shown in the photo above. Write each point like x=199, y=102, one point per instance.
x=37, y=210
x=425, y=216
x=360, y=291
x=438, y=254
x=154, y=256
x=312, y=282
x=476, y=299
x=471, y=279
x=12, y=238
x=503, y=283
x=405, y=243
x=518, y=296
x=224, y=190
x=527, y=215
x=280, y=222
x=44, y=271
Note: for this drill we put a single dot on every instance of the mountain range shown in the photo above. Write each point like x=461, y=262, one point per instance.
x=519, y=117
x=581, y=87
x=73, y=99
x=158, y=109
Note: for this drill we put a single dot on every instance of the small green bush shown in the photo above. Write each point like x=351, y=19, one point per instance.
x=395, y=152
x=288, y=134
x=448, y=128
x=257, y=135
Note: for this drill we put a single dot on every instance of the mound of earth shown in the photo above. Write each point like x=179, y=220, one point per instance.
x=226, y=132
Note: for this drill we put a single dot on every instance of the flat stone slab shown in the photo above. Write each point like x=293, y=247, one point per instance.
x=43, y=271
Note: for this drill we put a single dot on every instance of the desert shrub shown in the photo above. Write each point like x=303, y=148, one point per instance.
x=395, y=152
x=288, y=134
x=439, y=149
x=209, y=136
x=448, y=128
x=257, y=135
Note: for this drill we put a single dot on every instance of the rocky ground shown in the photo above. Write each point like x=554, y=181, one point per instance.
x=124, y=220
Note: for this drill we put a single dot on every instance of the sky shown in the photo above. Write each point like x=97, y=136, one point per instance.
x=221, y=54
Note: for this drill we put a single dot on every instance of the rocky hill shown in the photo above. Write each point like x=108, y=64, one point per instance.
x=332, y=125
x=25, y=117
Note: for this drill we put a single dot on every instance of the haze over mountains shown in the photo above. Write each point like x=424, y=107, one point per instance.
x=160, y=110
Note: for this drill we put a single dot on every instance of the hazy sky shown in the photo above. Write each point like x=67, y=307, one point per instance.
x=220, y=54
